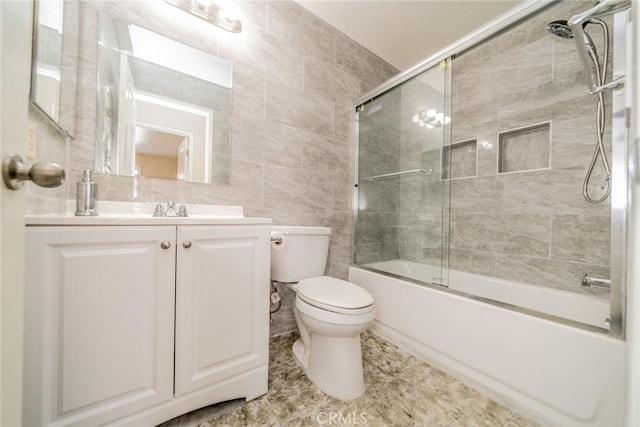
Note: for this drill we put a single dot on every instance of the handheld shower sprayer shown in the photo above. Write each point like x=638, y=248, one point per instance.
x=562, y=29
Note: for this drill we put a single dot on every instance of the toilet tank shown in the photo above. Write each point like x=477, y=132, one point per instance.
x=302, y=253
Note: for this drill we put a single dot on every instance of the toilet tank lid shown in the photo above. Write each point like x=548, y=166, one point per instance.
x=334, y=292
x=300, y=229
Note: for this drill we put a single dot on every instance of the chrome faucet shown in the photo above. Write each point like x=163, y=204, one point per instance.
x=170, y=211
x=159, y=211
x=595, y=281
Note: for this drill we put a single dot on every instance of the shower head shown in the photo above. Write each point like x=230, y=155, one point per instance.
x=561, y=28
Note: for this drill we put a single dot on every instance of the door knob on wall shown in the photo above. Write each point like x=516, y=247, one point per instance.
x=44, y=174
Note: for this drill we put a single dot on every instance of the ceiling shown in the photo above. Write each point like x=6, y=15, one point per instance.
x=404, y=33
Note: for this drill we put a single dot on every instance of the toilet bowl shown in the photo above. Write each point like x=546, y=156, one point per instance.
x=330, y=313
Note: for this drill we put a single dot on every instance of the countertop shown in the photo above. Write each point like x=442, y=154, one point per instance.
x=133, y=213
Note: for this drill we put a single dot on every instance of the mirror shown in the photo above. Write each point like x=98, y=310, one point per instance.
x=54, y=61
x=163, y=109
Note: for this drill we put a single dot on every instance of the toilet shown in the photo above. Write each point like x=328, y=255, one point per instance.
x=330, y=313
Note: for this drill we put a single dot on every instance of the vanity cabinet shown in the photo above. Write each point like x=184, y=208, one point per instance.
x=138, y=324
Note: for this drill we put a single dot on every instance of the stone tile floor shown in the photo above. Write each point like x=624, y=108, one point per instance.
x=401, y=390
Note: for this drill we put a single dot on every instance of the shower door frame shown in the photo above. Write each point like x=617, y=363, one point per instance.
x=619, y=198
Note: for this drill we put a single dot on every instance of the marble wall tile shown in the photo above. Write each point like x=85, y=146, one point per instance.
x=294, y=25
x=560, y=274
x=337, y=267
x=526, y=67
x=571, y=146
x=324, y=79
x=527, y=235
x=357, y=61
x=473, y=80
x=478, y=262
x=248, y=91
x=256, y=48
x=342, y=193
x=52, y=147
x=479, y=195
x=371, y=226
x=528, y=33
x=288, y=188
x=550, y=192
x=373, y=163
x=581, y=238
x=388, y=71
x=294, y=107
x=321, y=154
x=268, y=142
x=344, y=123
x=547, y=101
x=367, y=253
x=474, y=121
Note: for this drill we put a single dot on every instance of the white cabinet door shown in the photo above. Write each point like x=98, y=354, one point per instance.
x=222, y=303
x=99, y=323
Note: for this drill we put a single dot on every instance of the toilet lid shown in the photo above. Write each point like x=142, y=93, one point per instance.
x=327, y=292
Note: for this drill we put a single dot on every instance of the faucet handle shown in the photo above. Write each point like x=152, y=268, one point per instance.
x=159, y=211
x=182, y=210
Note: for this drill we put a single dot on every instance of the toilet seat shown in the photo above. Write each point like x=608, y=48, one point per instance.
x=335, y=295
x=344, y=319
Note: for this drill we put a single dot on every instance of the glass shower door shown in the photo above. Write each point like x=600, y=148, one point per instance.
x=401, y=219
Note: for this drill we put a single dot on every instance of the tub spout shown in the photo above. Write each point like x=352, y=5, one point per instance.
x=595, y=281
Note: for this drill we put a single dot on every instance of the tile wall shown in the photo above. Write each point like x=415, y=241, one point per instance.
x=517, y=213
x=295, y=78
x=531, y=224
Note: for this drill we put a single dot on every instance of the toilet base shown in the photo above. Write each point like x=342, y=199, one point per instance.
x=333, y=364
x=301, y=355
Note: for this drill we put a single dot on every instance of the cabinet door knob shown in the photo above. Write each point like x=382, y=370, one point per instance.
x=165, y=245
x=186, y=244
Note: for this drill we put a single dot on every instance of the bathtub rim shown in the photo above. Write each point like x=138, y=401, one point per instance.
x=499, y=304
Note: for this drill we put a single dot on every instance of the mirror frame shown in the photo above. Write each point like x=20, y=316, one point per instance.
x=32, y=85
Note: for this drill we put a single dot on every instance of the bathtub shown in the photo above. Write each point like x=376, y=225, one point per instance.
x=558, y=372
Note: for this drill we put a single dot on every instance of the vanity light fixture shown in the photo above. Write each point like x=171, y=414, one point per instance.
x=210, y=12
x=431, y=119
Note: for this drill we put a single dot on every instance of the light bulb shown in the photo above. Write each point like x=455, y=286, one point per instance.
x=431, y=112
x=440, y=117
x=229, y=11
x=447, y=120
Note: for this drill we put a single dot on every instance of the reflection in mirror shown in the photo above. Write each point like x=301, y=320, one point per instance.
x=47, y=56
x=163, y=107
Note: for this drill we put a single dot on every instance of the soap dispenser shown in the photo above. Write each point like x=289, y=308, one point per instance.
x=86, y=194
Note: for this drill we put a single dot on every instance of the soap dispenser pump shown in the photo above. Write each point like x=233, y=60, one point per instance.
x=86, y=194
